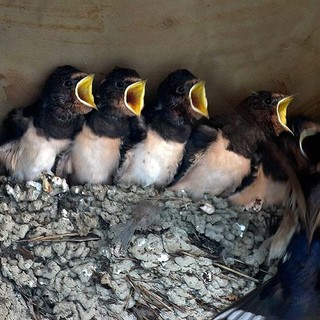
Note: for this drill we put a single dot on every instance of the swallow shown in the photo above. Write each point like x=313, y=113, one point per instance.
x=96, y=151
x=294, y=292
x=35, y=135
x=271, y=179
x=219, y=152
x=273, y=162
x=306, y=144
x=275, y=174
x=181, y=100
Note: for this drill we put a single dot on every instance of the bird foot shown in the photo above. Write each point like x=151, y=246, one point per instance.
x=53, y=184
x=255, y=205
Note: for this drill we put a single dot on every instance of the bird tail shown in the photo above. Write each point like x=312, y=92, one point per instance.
x=255, y=305
x=295, y=208
x=311, y=185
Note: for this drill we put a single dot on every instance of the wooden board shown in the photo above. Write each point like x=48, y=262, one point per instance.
x=236, y=46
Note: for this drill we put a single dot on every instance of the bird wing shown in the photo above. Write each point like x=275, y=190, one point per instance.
x=199, y=140
x=137, y=133
x=63, y=164
x=17, y=123
x=257, y=305
x=9, y=154
x=292, y=294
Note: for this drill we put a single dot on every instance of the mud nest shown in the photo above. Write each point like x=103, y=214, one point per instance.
x=61, y=256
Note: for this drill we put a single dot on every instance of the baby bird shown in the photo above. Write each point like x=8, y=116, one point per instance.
x=95, y=154
x=154, y=161
x=278, y=165
x=275, y=162
x=294, y=292
x=35, y=135
x=218, y=153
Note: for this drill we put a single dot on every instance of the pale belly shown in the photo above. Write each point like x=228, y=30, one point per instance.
x=94, y=159
x=34, y=154
x=152, y=162
x=217, y=171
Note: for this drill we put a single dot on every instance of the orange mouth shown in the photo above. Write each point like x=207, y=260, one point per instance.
x=282, y=111
x=84, y=91
x=198, y=99
x=134, y=97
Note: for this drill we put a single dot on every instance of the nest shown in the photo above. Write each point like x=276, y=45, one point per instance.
x=61, y=254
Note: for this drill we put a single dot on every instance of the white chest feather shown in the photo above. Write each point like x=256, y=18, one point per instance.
x=217, y=171
x=27, y=157
x=94, y=159
x=153, y=161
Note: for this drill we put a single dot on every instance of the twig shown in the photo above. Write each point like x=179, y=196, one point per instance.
x=74, y=237
x=154, y=298
x=235, y=271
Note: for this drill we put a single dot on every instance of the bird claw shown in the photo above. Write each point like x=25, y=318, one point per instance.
x=53, y=184
x=255, y=205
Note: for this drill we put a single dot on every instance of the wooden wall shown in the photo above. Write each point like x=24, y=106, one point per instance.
x=236, y=46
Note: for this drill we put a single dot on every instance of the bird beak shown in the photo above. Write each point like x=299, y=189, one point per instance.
x=134, y=97
x=304, y=134
x=84, y=91
x=198, y=99
x=282, y=111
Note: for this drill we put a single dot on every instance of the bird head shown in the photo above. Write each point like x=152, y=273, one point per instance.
x=182, y=97
x=122, y=90
x=269, y=110
x=68, y=92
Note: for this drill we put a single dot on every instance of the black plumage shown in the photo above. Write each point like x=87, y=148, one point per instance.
x=219, y=152
x=108, y=132
x=294, y=292
x=33, y=136
x=278, y=166
x=181, y=100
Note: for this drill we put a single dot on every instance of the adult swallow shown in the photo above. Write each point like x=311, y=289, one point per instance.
x=219, y=152
x=274, y=178
x=271, y=181
x=154, y=161
x=279, y=164
x=306, y=144
x=35, y=135
x=294, y=292
x=95, y=153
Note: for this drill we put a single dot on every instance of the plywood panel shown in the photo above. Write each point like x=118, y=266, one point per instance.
x=237, y=46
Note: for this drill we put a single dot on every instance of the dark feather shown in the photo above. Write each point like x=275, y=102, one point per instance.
x=172, y=117
x=200, y=138
x=17, y=123
x=226, y=160
x=169, y=123
x=294, y=293
x=33, y=136
x=107, y=135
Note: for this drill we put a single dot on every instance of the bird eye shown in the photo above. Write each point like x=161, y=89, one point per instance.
x=268, y=101
x=181, y=89
x=68, y=83
x=120, y=84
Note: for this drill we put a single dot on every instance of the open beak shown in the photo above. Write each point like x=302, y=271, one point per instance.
x=198, y=99
x=304, y=134
x=134, y=97
x=282, y=111
x=84, y=91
